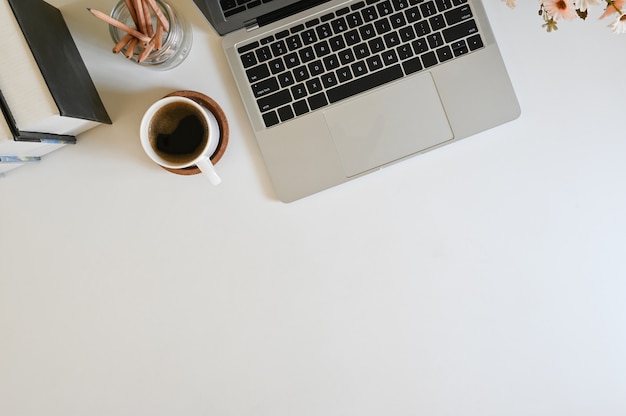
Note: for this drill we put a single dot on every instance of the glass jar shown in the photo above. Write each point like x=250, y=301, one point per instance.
x=175, y=44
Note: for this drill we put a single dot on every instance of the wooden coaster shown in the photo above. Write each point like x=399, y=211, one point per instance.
x=208, y=103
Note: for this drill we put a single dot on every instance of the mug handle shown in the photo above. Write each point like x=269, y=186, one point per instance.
x=205, y=165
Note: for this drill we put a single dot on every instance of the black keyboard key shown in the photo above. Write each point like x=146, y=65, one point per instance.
x=407, y=34
x=428, y=9
x=342, y=12
x=346, y=56
x=354, y=20
x=366, y=83
x=316, y=68
x=312, y=23
x=321, y=49
x=397, y=20
x=374, y=63
x=429, y=59
x=352, y=37
x=420, y=46
x=329, y=80
x=324, y=31
x=339, y=25
x=327, y=17
x=285, y=79
x=298, y=91
x=308, y=37
x=444, y=53
x=434, y=40
x=293, y=42
x=282, y=34
x=301, y=74
x=389, y=57
x=231, y=12
x=344, y=74
x=400, y=4
x=359, y=68
x=314, y=85
x=258, y=73
x=369, y=14
x=404, y=51
x=361, y=51
x=279, y=48
x=273, y=101
x=247, y=48
x=474, y=42
x=412, y=65
x=443, y=5
x=306, y=54
x=437, y=22
x=300, y=107
x=392, y=40
x=459, y=47
x=276, y=66
x=331, y=62
x=384, y=8
x=265, y=87
x=367, y=31
x=337, y=43
x=460, y=31
x=421, y=28
x=413, y=14
x=264, y=54
x=285, y=113
x=317, y=101
x=266, y=40
x=270, y=119
x=458, y=15
x=382, y=26
x=292, y=60
x=376, y=45
x=248, y=59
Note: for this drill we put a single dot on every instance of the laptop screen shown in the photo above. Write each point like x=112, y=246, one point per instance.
x=230, y=15
x=288, y=11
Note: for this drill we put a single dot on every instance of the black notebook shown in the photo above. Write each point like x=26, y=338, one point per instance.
x=45, y=83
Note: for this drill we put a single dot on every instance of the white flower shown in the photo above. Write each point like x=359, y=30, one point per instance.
x=510, y=3
x=560, y=9
x=619, y=25
x=583, y=5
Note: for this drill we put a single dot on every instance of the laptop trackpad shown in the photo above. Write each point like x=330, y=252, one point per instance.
x=388, y=124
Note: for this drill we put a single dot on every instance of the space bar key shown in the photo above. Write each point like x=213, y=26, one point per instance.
x=365, y=83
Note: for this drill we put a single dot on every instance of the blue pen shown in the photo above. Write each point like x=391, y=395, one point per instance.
x=19, y=159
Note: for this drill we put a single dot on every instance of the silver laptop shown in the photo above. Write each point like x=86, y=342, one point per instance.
x=336, y=89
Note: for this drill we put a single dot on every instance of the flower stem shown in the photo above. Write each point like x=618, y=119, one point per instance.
x=612, y=3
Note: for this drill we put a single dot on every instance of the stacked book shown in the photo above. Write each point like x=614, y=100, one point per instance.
x=47, y=96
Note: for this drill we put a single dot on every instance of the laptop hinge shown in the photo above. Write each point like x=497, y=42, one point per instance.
x=251, y=25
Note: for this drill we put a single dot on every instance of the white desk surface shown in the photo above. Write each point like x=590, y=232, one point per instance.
x=485, y=278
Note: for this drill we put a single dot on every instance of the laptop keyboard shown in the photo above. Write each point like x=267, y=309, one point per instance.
x=352, y=50
x=231, y=7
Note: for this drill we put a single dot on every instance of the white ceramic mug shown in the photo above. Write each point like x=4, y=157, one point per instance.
x=177, y=132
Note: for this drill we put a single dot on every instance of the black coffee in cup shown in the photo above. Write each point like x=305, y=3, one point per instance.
x=178, y=132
